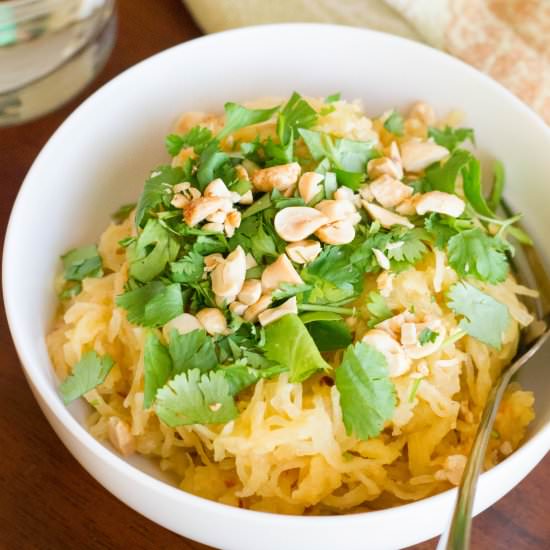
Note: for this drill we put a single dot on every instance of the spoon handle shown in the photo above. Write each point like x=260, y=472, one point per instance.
x=457, y=535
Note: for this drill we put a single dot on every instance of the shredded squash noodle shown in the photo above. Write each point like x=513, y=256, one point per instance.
x=288, y=449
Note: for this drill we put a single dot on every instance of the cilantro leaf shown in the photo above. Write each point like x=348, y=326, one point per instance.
x=499, y=178
x=89, y=372
x=427, y=335
x=345, y=154
x=157, y=190
x=439, y=230
x=394, y=123
x=192, y=398
x=367, y=395
x=123, y=212
x=153, y=304
x=237, y=116
x=471, y=177
x=297, y=113
x=333, y=97
x=329, y=335
x=82, y=262
x=378, y=308
x=210, y=161
x=157, y=368
x=299, y=353
x=473, y=252
x=193, y=350
x=154, y=248
x=198, y=138
x=288, y=290
x=485, y=318
x=363, y=257
x=451, y=137
x=334, y=278
x=442, y=177
x=412, y=249
x=241, y=376
x=189, y=269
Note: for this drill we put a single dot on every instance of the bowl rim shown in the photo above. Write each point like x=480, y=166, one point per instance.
x=50, y=399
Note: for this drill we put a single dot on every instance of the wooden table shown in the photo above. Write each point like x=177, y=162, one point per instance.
x=47, y=501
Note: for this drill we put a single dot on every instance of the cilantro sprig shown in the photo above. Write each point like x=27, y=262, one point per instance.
x=367, y=395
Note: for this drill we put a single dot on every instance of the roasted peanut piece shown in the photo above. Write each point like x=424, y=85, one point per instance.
x=340, y=232
x=280, y=177
x=217, y=188
x=336, y=211
x=381, y=258
x=386, y=218
x=271, y=315
x=250, y=292
x=442, y=203
x=199, y=209
x=228, y=276
x=237, y=308
x=389, y=192
x=120, y=436
x=213, y=320
x=280, y=271
x=183, y=323
x=303, y=252
x=252, y=312
x=398, y=363
x=384, y=166
x=296, y=223
x=232, y=222
x=418, y=155
x=309, y=185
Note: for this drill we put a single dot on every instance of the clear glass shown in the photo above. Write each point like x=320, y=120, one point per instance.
x=50, y=50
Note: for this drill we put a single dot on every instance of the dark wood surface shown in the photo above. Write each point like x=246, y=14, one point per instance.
x=47, y=501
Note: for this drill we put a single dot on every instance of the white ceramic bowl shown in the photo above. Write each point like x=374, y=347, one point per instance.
x=99, y=159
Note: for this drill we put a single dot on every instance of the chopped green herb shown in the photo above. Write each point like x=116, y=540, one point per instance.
x=299, y=353
x=123, y=212
x=394, y=123
x=367, y=395
x=499, y=178
x=88, y=373
x=193, y=350
x=237, y=117
x=414, y=389
x=484, y=318
x=427, y=336
x=157, y=191
x=198, y=138
x=329, y=335
x=154, y=249
x=153, y=304
x=157, y=368
x=378, y=309
x=473, y=252
x=333, y=97
x=240, y=377
x=195, y=398
x=451, y=137
x=471, y=177
x=189, y=269
x=83, y=262
x=442, y=177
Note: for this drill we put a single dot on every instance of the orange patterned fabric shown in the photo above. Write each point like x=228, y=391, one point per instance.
x=507, y=39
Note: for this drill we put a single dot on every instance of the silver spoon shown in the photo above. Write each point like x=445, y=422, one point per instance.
x=457, y=535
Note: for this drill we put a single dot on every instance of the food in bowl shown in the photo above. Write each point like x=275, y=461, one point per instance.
x=304, y=312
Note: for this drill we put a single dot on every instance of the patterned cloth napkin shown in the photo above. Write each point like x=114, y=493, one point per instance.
x=507, y=39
